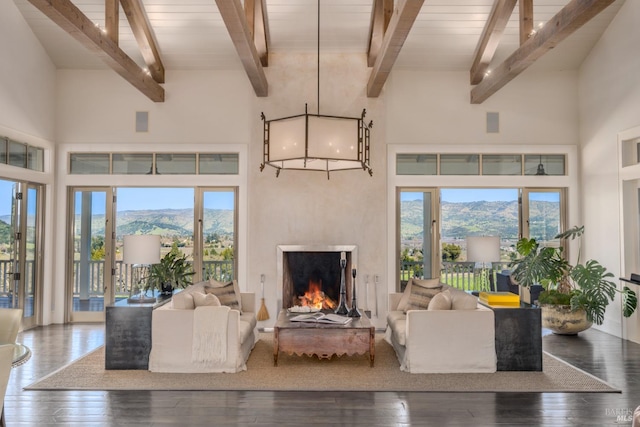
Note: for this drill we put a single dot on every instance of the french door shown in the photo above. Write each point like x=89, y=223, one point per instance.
x=418, y=253
x=543, y=214
x=21, y=255
x=91, y=269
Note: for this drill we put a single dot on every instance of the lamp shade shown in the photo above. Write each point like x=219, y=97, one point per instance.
x=483, y=248
x=317, y=143
x=141, y=249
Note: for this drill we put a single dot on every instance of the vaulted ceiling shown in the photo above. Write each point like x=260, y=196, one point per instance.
x=439, y=35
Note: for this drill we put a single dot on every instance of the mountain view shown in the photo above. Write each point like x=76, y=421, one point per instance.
x=496, y=218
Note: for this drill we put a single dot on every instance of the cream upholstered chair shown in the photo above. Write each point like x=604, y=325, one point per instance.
x=6, y=357
x=10, y=319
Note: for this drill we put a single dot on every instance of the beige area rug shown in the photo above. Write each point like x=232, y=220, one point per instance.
x=303, y=373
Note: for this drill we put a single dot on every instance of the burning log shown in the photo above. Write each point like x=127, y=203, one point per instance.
x=315, y=298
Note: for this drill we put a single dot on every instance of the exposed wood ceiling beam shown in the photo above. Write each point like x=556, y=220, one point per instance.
x=143, y=33
x=570, y=18
x=380, y=17
x=526, y=20
x=73, y=21
x=112, y=19
x=233, y=16
x=255, y=12
x=400, y=24
x=491, y=35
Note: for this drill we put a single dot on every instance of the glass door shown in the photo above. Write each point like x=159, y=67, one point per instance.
x=543, y=215
x=30, y=254
x=20, y=256
x=216, y=222
x=418, y=236
x=91, y=266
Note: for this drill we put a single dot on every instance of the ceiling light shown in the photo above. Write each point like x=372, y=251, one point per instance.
x=316, y=142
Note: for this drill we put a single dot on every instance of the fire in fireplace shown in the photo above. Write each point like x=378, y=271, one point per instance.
x=311, y=275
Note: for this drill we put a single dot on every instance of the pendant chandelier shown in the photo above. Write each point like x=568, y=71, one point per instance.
x=316, y=142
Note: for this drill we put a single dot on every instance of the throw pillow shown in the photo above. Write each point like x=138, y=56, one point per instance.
x=201, y=300
x=420, y=296
x=404, y=300
x=226, y=292
x=182, y=301
x=441, y=301
x=463, y=301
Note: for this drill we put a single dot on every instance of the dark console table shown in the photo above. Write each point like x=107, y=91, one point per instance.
x=128, y=333
x=518, y=338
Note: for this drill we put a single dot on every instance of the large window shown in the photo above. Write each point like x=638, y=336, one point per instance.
x=434, y=225
x=197, y=222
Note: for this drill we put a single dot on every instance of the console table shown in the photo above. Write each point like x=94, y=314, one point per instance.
x=518, y=337
x=128, y=333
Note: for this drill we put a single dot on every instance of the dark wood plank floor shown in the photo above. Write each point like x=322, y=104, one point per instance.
x=609, y=358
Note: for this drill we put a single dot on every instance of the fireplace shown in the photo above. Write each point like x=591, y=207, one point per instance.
x=310, y=274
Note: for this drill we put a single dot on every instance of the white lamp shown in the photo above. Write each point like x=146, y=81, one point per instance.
x=141, y=250
x=483, y=250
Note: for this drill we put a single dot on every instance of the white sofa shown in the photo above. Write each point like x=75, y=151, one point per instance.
x=460, y=339
x=175, y=330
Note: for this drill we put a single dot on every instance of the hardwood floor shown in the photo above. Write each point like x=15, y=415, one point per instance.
x=609, y=358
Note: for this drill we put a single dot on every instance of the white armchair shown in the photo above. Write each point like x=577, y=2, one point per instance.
x=10, y=320
x=6, y=358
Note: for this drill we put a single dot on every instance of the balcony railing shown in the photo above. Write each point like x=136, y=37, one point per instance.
x=219, y=270
x=461, y=275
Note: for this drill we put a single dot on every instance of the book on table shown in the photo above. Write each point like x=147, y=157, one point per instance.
x=329, y=318
x=500, y=299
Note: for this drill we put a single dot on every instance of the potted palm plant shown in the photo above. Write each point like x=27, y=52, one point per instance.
x=575, y=295
x=173, y=271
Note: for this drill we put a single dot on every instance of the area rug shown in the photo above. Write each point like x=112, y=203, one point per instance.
x=296, y=373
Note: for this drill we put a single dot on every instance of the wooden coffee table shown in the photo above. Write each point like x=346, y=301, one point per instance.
x=323, y=340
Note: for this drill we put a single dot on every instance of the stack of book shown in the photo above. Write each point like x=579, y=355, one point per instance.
x=500, y=299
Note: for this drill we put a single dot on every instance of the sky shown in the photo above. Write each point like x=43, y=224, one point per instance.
x=460, y=195
x=160, y=198
x=180, y=198
x=139, y=198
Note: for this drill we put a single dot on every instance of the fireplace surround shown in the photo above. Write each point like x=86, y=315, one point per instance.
x=298, y=266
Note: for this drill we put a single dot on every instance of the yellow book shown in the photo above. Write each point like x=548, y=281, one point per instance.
x=503, y=299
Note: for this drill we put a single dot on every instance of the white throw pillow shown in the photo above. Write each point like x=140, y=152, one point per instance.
x=441, y=301
x=182, y=301
x=202, y=300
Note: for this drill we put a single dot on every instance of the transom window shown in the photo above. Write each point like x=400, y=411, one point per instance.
x=481, y=164
x=153, y=163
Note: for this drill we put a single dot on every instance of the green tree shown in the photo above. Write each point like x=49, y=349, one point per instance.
x=227, y=254
x=450, y=252
x=97, y=248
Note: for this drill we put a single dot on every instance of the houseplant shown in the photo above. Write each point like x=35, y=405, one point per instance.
x=575, y=295
x=173, y=271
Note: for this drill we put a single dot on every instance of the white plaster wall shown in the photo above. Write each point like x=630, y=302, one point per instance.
x=305, y=207
x=609, y=100
x=200, y=107
x=27, y=79
x=27, y=97
x=434, y=108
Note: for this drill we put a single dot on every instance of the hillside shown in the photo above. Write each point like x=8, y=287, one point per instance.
x=460, y=220
x=166, y=222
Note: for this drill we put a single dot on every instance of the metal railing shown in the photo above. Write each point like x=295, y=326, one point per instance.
x=462, y=275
